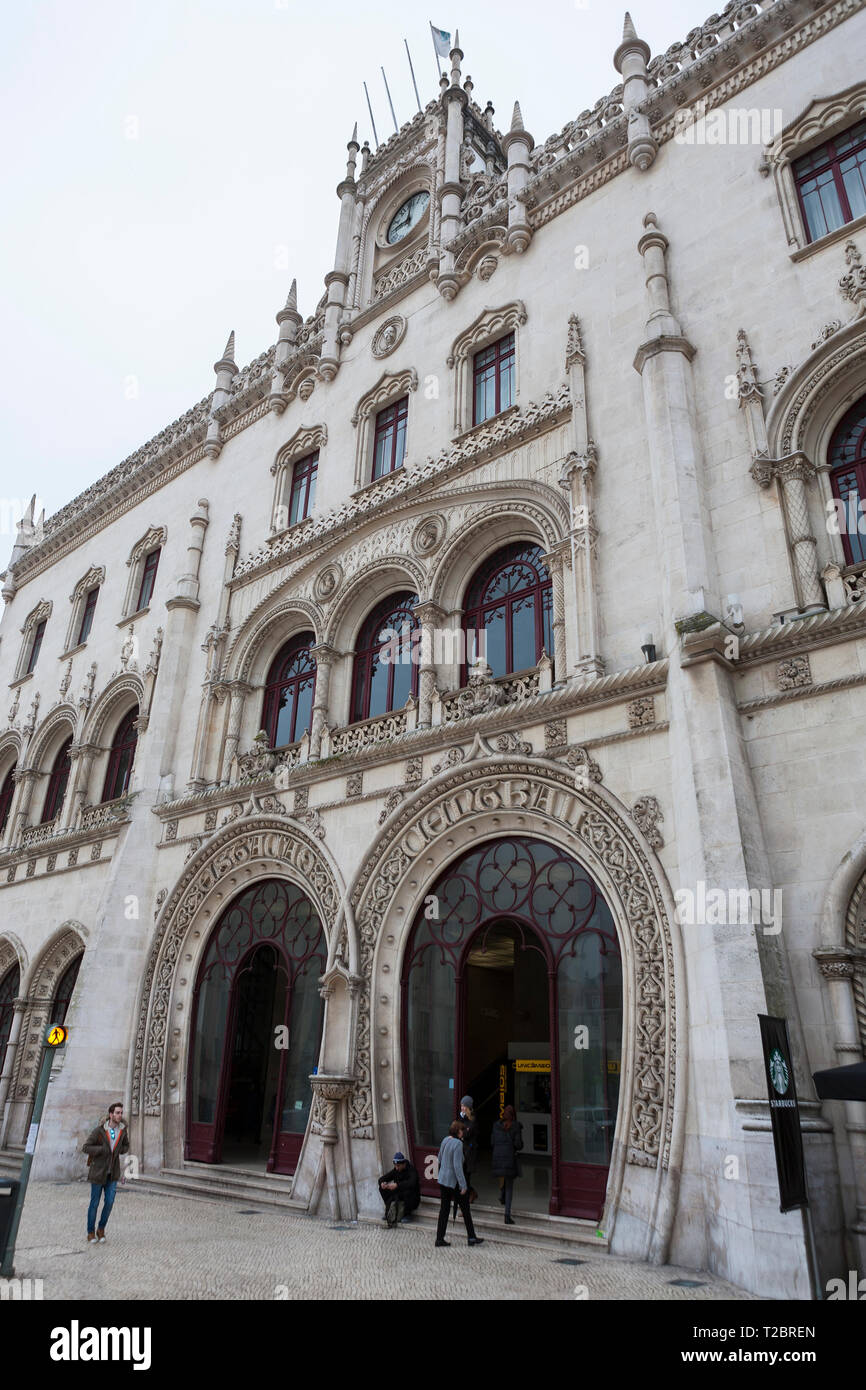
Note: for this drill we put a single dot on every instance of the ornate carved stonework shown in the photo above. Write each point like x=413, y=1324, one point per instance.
x=354, y=784
x=327, y=582
x=429, y=534
x=555, y=733
x=793, y=672
x=641, y=712
x=389, y=336
x=273, y=844
x=647, y=815
x=853, y=283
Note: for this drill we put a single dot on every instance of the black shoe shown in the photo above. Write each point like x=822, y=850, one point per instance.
x=443, y=1242
x=475, y=1240
x=509, y=1222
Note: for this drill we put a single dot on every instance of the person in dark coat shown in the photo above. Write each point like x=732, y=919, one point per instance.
x=103, y=1147
x=453, y=1186
x=400, y=1190
x=507, y=1141
x=470, y=1145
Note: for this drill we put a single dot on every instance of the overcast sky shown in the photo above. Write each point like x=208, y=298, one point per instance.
x=168, y=166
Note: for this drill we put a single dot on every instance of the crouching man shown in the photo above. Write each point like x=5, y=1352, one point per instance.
x=400, y=1190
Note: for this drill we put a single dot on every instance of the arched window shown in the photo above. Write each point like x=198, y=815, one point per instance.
x=7, y=791
x=57, y=782
x=8, y=991
x=289, y=692
x=385, y=673
x=121, y=757
x=847, y=459
x=63, y=993
x=510, y=601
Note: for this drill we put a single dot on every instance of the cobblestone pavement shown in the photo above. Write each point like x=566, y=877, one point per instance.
x=167, y=1247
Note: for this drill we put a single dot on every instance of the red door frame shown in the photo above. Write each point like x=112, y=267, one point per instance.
x=576, y=1189
x=284, y=1149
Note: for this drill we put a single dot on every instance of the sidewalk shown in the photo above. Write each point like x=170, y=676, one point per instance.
x=165, y=1247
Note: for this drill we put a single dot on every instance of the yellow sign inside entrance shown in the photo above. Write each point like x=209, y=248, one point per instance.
x=531, y=1064
x=57, y=1036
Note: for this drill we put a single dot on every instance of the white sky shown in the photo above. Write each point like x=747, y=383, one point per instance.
x=169, y=165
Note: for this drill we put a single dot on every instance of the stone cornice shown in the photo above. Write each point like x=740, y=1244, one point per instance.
x=803, y=635
x=617, y=688
x=802, y=692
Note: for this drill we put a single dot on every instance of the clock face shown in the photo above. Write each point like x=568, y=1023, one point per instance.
x=407, y=216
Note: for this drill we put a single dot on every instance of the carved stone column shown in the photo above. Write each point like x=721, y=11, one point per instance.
x=432, y=618
x=450, y=191
x=576, y=479
x=330, y=1122
x=837, y=965
x=239, y=691
x=555, y=561
x=325, y=656
x=25, y=781
x=19, y=1009
x=793, y=472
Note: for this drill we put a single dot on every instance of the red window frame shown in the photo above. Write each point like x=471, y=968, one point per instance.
x=36, y=645
x=494, y=363
x=87, y=615
x=122, y=757
x=7, y=791
x=289, y=673
x=846, y=456
x=393, y=612
x=830, y=159
x=148, y=579
x=476, y=607
x=63, y=994
x=57, y=782
x=303, y=492
x=389, y=442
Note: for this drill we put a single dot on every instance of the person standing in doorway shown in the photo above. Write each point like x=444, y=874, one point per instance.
x=507, y=1141
x=470, y=1144
x=104, y=1146
x=453, y=1186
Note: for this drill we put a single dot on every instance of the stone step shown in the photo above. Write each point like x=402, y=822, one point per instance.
x=561, y=1235
x=10, y=1162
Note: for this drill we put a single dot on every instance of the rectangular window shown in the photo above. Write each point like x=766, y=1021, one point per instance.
x=35, y=648
x=148, y=579
x=389, y=448
x=87, y=615
x=831, y=182
x=493, y=379
x=303, y=495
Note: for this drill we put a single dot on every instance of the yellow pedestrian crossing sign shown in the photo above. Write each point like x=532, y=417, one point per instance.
x=56, y=1035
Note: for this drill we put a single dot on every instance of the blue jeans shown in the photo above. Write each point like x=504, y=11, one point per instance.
x=109, y=1188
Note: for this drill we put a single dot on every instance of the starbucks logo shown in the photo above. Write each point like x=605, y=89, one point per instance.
x=778, y=1071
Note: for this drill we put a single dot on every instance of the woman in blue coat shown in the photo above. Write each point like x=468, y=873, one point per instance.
x=507, y=1141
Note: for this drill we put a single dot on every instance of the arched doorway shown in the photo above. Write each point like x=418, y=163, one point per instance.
x=256, y=1030
x=512, y=984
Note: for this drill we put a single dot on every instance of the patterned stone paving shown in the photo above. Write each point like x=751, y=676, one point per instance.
x=166, y=1247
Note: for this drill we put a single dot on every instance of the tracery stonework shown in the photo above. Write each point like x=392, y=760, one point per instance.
x=287, y=851
x=547, y=793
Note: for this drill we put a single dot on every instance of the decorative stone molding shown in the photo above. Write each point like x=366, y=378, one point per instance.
x=429, y=534
x=267, y=848
x=795, y=671
x=389, y=336
x=93, y=579
x=305, y=440
x=641, y=713
x=154, y=538
x=822, y=119
x=853, y=284
x=488, y=789
x=485, y=329
x=41, y=613
x=555, y=733
x=647, y=814
x=388, y=389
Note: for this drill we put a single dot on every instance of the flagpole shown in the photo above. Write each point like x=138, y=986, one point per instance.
x=390, y=102
x=412, y=70
x=372, y=122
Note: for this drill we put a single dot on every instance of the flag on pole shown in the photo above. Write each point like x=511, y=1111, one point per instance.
x=441, y=41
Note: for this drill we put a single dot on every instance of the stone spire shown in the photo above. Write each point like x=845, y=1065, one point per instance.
x=337, y=280
x=517, y=145
x=455, y=55
x=631, y=60
x=227, y=361
x=226, y=369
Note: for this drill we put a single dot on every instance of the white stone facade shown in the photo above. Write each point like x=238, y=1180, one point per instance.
x=662, y=471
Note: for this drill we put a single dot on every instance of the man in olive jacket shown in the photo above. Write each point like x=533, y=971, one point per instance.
x=103, y=1147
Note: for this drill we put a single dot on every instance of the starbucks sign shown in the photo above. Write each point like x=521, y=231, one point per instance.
x=779, y=1074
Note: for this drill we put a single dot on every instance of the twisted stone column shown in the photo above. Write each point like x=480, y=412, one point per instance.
x=239, y=692
x=431, y=617
x=555, y=561
x=19, y=1008
x=25, y=781
x=793, y=472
